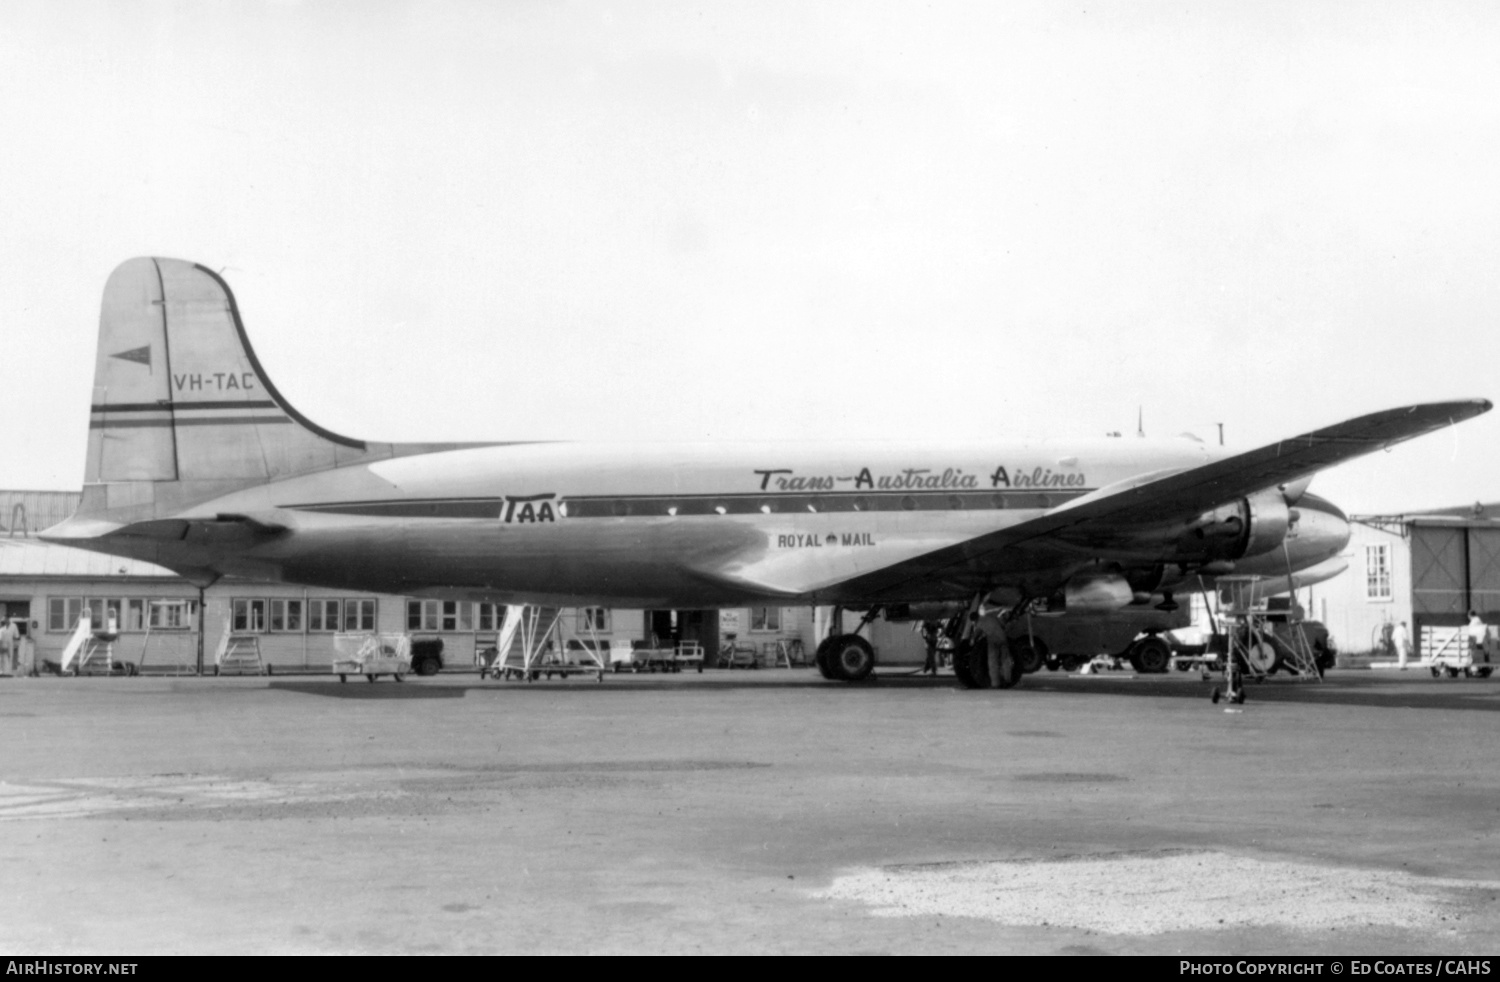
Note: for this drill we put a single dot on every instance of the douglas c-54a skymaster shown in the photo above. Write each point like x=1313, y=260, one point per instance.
x=196, y=462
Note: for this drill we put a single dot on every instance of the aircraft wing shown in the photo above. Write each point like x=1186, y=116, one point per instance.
x=1179, y=495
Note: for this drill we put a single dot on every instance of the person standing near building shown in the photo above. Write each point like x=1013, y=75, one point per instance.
x=1401, y=641
x=1478, y=631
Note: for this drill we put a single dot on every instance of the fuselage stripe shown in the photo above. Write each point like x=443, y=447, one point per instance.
x=152, y=407
x=658, y=506
x=127, y=424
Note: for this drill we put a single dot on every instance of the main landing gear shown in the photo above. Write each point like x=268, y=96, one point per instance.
x=979, y=664
x=984, y=657
x=847, y=657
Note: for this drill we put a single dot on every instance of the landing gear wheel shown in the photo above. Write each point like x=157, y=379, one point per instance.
x=1030, y=655
x=1010, y=668
x=1484, y=671
x=961, y=652
x=1452, y=673
x=850, y=658
x=1053, y=663
x=1437, y=672
x=1238, y=698
x=820, y=658
x=976, y=663
x=1216, y=696
x=1151, y=656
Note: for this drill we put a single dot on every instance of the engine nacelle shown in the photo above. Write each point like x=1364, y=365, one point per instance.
x=1267, y=519
x=1249, y=527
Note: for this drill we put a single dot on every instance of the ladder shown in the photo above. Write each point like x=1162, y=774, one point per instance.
x=239, y=654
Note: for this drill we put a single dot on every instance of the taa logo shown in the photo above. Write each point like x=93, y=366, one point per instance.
x=530, y=508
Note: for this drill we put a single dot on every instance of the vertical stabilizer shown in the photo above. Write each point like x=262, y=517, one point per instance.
x=182, y=410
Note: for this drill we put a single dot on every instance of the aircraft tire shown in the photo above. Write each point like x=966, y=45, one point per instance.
x=1011, y=678
x=1030, y=655
x=1151, y=656
x=961, y=671
x=978, y=662
x=820, y=658
x=850, y=658
x=979, y=667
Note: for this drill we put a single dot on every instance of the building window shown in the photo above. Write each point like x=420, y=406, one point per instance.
x=323, y=615
x=359, y=615
x=1378, y=572
x=593, y=619
x=135, y=616
x=249, y=616
x=171, y=615
x=63, y=613
x=487, y=616
x=433, y=615
x=286, y=616
x=765, y=618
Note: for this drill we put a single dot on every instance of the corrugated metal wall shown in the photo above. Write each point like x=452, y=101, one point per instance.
x=29, y=512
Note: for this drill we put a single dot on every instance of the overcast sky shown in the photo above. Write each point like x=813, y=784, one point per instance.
x=466, y=221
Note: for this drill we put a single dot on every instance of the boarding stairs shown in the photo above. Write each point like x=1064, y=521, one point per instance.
x=87, y=652
x=96, y=657
x=239, y=654
x=529, y=643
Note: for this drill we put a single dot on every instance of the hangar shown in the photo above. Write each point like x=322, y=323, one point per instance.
x=1427, y=568
x=44, y=588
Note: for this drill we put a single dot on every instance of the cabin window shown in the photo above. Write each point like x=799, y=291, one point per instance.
x=1378, y=572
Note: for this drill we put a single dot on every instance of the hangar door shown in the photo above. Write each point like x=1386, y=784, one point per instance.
x=1439, y=575
x=1484, y=572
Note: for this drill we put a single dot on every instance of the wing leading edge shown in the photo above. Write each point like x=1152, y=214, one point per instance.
x=1180, y=494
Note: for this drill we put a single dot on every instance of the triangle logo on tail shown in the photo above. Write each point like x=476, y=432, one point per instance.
x=141, y=355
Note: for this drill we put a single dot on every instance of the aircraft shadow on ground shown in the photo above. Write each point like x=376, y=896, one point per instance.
x=383, y=689
x=1469, y=694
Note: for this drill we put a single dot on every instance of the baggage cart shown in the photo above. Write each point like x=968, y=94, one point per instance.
x=371, y=655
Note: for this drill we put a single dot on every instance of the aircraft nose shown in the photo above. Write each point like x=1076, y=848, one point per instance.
x=1322, y=531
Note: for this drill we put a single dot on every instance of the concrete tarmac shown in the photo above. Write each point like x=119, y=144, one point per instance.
x=749, y=811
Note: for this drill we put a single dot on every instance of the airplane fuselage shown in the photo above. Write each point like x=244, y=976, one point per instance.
x=647, y=525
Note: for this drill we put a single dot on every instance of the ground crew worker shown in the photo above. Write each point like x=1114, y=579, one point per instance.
x=1401, y=640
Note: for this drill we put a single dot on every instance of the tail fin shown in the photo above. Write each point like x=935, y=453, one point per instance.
x=182, y=410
